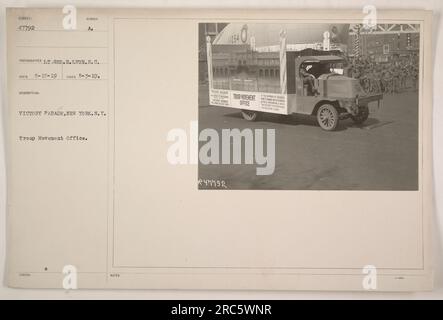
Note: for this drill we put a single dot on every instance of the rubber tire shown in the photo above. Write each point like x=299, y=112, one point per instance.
x=332, y=114
x=362, y=116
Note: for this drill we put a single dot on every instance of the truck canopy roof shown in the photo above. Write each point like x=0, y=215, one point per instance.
x=321, y=59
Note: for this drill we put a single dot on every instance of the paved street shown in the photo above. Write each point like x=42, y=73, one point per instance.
x=382, y=154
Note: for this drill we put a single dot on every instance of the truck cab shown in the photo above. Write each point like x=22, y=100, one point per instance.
x=323, y=89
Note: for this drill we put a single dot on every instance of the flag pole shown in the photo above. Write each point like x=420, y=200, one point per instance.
x=209, y=58
x=283, y=77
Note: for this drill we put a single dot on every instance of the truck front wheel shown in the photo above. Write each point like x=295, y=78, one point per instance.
x=327, y=117
x=250, y=115
x=362, y=116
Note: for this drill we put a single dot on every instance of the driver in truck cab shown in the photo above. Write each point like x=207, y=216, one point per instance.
x=308, y=79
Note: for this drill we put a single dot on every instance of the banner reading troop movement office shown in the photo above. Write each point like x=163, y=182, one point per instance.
x=257, y=101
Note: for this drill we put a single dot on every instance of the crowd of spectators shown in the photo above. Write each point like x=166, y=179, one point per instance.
x=398, y=74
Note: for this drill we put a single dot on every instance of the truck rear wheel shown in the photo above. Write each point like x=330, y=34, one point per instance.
x=327, y=117
x=250, y=115
x=362, y=116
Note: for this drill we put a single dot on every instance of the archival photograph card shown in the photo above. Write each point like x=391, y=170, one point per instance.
x=219, y=149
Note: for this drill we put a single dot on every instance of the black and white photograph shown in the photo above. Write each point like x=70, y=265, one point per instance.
x=318, y=106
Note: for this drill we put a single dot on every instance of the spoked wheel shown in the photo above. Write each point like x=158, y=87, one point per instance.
x=362, y=116
x=327, y=117
x=250, y=115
